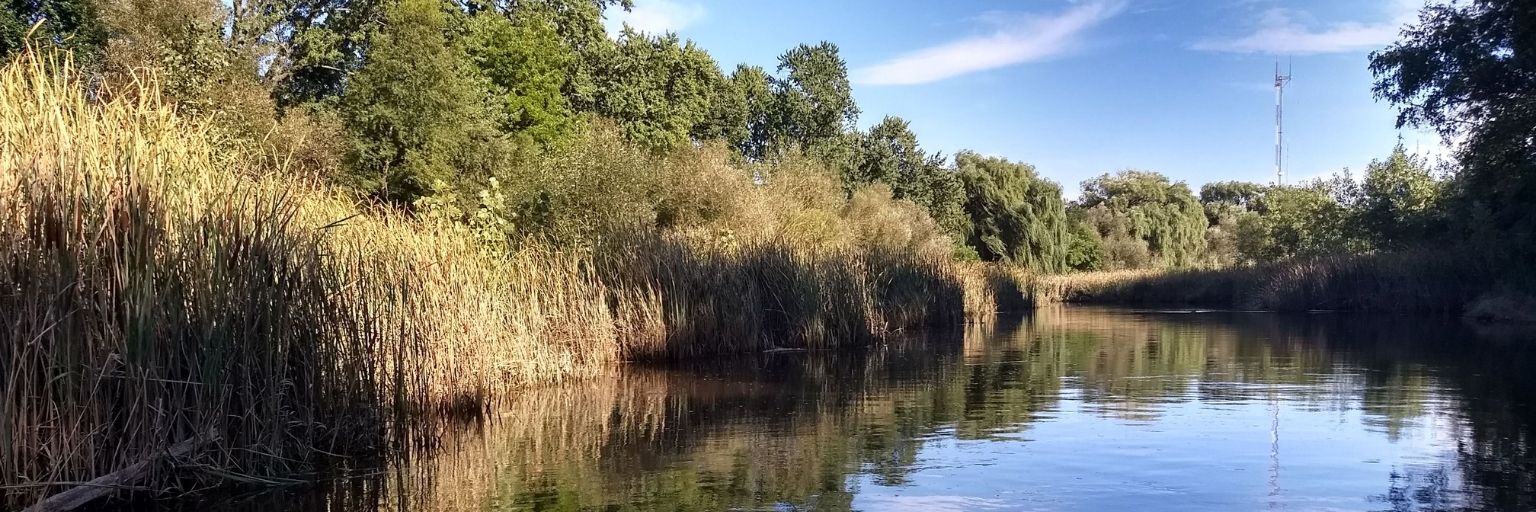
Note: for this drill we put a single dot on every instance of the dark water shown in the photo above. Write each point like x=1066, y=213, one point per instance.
x=1071, y=409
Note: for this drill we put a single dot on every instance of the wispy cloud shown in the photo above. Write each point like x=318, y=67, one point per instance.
x=1285, y=32
x=656, y=16
x=1017, y=39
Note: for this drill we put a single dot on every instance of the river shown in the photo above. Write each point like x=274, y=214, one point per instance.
x=1066, y=409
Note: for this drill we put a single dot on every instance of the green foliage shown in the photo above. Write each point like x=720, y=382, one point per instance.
x=741, y=113
x=1400, y=203
x=1015, y=215
x=658, y=88
x=1308, y=220
x=414, y=113
x=73, y=25
x=1464, y=68
x=815, y=98
x=526, y=63
x=328, y=42
x=889, y=154
x=1144, y=220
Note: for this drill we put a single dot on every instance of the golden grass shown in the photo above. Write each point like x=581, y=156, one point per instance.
x=157, y=287
x=1424, y=280
x=159, y=283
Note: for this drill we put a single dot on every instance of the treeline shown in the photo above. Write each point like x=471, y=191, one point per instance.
x=527, y=120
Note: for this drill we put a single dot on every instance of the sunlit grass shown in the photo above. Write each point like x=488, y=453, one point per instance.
x=160, y=284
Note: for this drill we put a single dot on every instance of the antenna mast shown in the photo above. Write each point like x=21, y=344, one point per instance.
x=1280, y=81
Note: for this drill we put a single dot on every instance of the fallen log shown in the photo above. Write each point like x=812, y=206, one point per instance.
x=105, y=484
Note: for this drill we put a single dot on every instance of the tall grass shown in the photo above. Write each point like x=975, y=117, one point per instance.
x=1415, y=281
x=158, y=285
x=156, y=289
x=678, y=301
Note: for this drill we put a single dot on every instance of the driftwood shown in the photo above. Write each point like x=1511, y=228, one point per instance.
x=105, y=484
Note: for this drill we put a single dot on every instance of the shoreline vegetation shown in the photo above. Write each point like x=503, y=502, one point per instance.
x=1454, y=282
x=159, y=288
x=295, y=239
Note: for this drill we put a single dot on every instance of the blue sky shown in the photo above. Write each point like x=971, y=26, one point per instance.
x=1083, y=87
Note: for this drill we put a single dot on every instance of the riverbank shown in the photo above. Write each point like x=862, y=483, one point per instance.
x=1452, y=281
x=161, y=288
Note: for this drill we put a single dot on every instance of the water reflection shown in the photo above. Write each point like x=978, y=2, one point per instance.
x=1072, y=409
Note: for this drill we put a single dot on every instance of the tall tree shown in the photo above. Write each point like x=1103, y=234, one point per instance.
x=815, y=97
x=327, y=42
x=413, y=111
x=889, y=153
x=1307, y=220
x=1015, y=215
x=659, y=88
x=1400, y=199
x=740, y=112
x=526, y=63
x=1146, y=209
x=1468, y=69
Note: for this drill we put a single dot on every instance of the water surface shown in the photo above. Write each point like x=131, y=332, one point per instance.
x=1069, y=409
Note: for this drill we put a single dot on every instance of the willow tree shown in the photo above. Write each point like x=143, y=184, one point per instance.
x=1015, y=215
x=1142, y=209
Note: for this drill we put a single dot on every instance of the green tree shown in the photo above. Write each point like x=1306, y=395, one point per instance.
x=414, y=110
x=658, y=88
x=1226, y=204
x=741, y=112
x=1308, y=220
x=327, y=41
x=1465, y=69
x=1141, y=212
x=889, y=153
x=1015, y=215
x=74, y=25
x=526, y=63
x=1399, y=203
x=815, y=99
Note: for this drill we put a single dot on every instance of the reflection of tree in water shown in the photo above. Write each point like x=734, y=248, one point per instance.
x=1421, y=488
x=788, y=432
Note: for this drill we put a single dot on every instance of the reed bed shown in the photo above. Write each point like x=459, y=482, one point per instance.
x=156, y=290
x=677, y=301
x=159, y=285
x=1416, y=281
x=993, y=288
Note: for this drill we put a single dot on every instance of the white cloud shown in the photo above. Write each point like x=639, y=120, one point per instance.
x=1017, y=40
x=655, y=16
x=1283, y=32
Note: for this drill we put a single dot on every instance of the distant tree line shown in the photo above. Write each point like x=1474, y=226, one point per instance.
x=457, y=106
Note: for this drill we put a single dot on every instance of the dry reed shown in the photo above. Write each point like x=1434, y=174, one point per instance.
x=158, y=283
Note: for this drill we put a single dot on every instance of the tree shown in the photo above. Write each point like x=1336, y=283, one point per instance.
x=526, y=63
x=413, y=111
x=1308, y=220
x=890, y=154
x=658, y=88
x=1466, y=69
x=74, y=25
x=1014, y=214
x=1140, y=211
x=815, y=98
x=1221, y=198
x=328, y=41
x=740, y=113
x=1226, y=204
x=1400, y=201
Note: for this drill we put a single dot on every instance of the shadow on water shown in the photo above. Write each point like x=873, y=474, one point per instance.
x=1067, y=409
